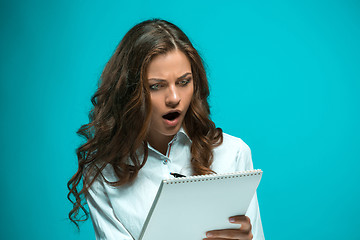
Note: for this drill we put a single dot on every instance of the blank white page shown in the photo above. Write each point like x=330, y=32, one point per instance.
x=186, y=208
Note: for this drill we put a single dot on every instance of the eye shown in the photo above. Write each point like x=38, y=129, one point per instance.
x=155, y=86
x=184, y=82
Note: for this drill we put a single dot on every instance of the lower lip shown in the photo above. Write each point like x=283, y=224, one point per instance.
x=172, y=123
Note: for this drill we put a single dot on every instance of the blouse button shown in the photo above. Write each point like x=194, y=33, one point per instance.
x=165, y=161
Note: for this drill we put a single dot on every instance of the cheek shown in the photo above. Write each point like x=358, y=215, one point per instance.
x=190, y=95
x=154, y=101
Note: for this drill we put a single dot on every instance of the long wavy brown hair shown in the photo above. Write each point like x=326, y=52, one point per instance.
x=120, y=118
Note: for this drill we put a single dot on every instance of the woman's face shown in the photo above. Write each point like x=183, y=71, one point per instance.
x=171, y=89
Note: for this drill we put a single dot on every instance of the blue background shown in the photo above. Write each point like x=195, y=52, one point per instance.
x=284, y=77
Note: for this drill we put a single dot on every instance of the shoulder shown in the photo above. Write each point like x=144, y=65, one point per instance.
x=232, y=155
x=234, y=142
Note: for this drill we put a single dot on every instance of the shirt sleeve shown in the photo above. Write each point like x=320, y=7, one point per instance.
x=106, y=225
x=244, y=161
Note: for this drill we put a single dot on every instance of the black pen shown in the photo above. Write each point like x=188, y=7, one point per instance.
x=177, y=175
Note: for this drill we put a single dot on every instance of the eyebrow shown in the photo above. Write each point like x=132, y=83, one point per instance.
x=162, y=80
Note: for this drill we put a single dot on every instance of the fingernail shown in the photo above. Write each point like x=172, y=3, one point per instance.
x=232, y=220
x=209, y=234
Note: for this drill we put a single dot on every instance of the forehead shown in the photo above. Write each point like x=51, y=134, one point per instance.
x=171, y=64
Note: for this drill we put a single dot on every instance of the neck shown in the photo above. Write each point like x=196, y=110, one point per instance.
x=159, y=142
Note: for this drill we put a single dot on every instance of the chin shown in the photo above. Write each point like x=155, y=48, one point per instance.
x=171, y=131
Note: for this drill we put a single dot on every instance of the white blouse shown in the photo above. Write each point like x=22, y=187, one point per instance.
x=120, y=212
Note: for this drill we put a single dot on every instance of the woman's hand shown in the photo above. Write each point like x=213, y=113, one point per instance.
x=242, y=233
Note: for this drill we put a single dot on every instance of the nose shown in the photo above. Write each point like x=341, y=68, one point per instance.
x=172, y=98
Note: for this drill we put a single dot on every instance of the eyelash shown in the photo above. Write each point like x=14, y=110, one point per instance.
x=184, y=82
x=157, y=86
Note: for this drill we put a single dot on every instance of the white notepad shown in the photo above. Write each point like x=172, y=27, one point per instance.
x=186, y=208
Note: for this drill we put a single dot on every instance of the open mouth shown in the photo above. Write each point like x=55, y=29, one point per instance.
x=171, y=116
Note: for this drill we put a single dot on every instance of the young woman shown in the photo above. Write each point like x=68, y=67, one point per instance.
x=150, y=118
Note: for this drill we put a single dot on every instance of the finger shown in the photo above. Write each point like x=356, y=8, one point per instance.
x=214, y=238
x=244, y=221
x=227, y=234
x=244, y=238
x=239, y=219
